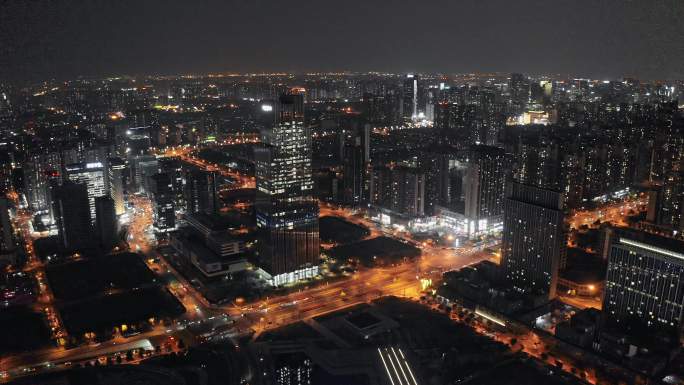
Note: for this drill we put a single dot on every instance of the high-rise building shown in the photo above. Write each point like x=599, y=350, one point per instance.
x=484, y=184
x=435, y=166
x=534, y=239
x=116, y=171
x=201, y=192
x=409, y=98
x=380, y=192
x=92, y=175
x=286, y=210
x=519, y=90
x=645, y=280
x=163, y=207
x=144, y=166
x=174, y=168
x=72, y=214
x=672, y=201
x=408, y=191
x=39, y=171
x=106, y=225
x=354, y=174
x=7, y=245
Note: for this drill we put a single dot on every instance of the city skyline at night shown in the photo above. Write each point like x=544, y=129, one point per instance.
x=353, y=193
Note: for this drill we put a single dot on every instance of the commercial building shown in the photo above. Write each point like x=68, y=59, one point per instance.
x=163, y=205
x=645, y=280
x=286, y=210
x=92, y=175
x=72, y=214
x=7, y=244
x=534, y=239
x=201, y=192
x=117, y=168
x=106, y=225
x=211, y=244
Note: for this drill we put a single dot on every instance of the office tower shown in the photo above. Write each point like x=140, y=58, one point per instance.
x=163, y=207
x=408, y=191
x=6, y=238
x=645, y=280
x=39, y=171
x=534, y=239
x=201, y=192
x=106, y=225
x=484, y=184
x=92, y=175
x=409, y=97
x=116, y=171
x=355, y=157
x=72, y=214
x=286, y=211
x=144, y=166
x=354, y=172
x=519, y=91
x=6, y=160
x=174, y=168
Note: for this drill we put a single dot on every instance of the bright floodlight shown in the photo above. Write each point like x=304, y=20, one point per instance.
x=266, y=108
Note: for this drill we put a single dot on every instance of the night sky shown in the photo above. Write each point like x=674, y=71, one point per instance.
x=596, y=38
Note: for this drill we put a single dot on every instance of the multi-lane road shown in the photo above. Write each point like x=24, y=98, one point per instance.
x=615, y=213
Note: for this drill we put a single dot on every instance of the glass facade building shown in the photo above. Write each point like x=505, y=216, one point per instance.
x=286, y=209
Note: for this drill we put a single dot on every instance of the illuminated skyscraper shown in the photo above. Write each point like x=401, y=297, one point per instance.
x=409, y=100
x=116, y=170
x=286, y=211
x=163, y=206
x=534, y=239
x=93, y=176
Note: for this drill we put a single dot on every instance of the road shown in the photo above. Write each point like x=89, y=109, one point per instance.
x=186, y=154
x=615, y=213
x=364, y=285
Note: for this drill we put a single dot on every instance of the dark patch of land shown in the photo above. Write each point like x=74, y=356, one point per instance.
x=376, y=250
x=135, y=307
x=93, y=276
x=22, y=329
x=338, y=230
x=296, y=331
